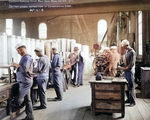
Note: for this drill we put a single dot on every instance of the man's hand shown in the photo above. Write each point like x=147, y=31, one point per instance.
x=121, y=68
x=15, y=65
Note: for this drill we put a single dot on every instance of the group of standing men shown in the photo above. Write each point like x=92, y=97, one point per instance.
x=110, y=61
x=107, y=61
x=25, y=79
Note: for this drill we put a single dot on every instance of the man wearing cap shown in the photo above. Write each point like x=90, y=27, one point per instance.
x=25, y=80
x=56, y=74
x=129, y=70
x=73, y=59
x=43, y=67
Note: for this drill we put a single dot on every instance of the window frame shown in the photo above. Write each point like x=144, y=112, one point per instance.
x=9, y=27
x=23, y=29
x=42, y=31
x=98, y=27
x=140, y=37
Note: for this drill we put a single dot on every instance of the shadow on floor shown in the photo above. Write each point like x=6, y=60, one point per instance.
x=85, y=113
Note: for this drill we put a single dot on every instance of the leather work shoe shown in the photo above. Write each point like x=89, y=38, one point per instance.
x=127, y=101
x=27, y=118
x=131, y=104
x=57, y=99
x=41, y=107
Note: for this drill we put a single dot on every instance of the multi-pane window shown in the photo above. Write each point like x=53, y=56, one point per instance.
x=23, y=29
x=102, y=27
x=140, y=51
x=9, y=26
x=42, y=31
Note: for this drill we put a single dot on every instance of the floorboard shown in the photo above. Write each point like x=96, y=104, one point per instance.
x=76, y=106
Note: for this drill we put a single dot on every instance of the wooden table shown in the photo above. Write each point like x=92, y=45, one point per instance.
x=108, y=95
x=145, y=82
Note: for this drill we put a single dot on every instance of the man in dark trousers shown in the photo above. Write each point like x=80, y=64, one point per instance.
x=129, y=70
x=56, y=74
x=80, y=63
x=73, y=58
x=25, y=80
x=42, y=76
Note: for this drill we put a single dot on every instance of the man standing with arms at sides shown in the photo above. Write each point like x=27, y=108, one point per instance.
x=25, y=80
x=43, y=67
x=129, y=70
x=56, y=74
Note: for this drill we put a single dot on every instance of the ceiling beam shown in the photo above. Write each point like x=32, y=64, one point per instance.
x=82, y=9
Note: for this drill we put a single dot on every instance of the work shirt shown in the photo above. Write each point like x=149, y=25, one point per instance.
x=56, y=62
x=73, y=56
x=130, y=59
x=25, y=69
x=43, y=67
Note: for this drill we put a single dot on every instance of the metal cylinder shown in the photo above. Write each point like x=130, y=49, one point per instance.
x=12, y=52
x=18, y=57
x=42, y=46
x=37, y=44
x=3, y=49
x=55, y=44
x=28, y=45
x=32, y=48
x=68, y=45
x=23, y=40
x=73, y=41
x=59, y=44
x=63, y=45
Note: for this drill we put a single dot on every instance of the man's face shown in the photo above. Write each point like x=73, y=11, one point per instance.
x=76, y=52
x=21, y=50
x=125, y=47
x=52, y=51
x=37, y=53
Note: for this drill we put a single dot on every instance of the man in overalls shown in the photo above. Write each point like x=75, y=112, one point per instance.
x=25, y=80
x=42, y=76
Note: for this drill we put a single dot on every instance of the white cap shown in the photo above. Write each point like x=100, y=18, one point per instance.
x=113, y=47
x=38, y=49
x=124, y=43
x=19, y=45
x=100, y=51
x=106, y=48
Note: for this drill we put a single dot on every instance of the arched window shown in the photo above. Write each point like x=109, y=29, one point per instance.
x=9, y=26
x=102, y=27
x=140, y=51
x=23, y=29
x=42, y=31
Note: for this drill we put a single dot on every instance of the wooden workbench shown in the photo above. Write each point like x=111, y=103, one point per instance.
x=108, y=95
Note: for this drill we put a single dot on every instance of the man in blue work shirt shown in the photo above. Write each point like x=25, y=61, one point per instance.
x=56, y=74
x=129, y=70
x=25, y=80
x=42, y=76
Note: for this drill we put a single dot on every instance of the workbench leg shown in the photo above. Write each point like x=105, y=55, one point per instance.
x=8, y=106
x=123, y=114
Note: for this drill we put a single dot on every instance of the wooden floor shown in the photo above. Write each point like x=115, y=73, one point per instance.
x=76, y=106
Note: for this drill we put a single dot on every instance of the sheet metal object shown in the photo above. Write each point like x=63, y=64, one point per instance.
x=3, y=48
